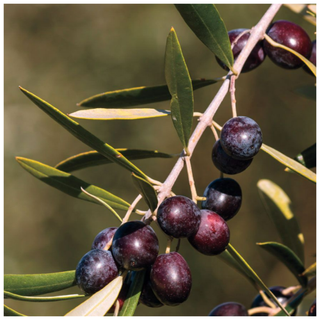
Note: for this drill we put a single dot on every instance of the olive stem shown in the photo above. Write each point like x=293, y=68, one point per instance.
x=178, y=245
x=132, y=206
x=257, y=33
x=168, y=248
x=233, y=96
x=289, y=290
x=238, y=37
x=191, y=179
x=215, y=133
x=267, y=300
x=253, y=311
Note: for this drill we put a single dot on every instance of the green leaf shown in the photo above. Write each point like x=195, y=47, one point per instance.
x=10, y=312
x=180, y=87
x=205, y=21
x=290, y=163
x=93, y=158
x=277, y=204
x=9, y=295
x=119, y=114
x=69, y=184
x=133, y=295
x=83, y=135
x=309, y=64
x=100, y=302
x=308, y=157
x=288, y=257
x=127, y=98
x=147, y=191
x=228, y=259
x=34, y=284
x=310, y=271
x=309, y=92
x=235, y=254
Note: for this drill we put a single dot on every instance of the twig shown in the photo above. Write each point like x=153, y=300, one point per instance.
x=132, y=206
x=191, y=179
x=117, y=308
x=233, y=95
x=257, y=33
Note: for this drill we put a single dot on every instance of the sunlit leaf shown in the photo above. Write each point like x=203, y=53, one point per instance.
x=70, y=184
x=244, y=264
x=287, y=257
x=180, y=87
x=9, y=295
x=277, y=204
x=127, y=98
x=205, y=21
x=83, y=135
x=35, y=284
x=93, y=158
x=307, y=91
x=131, y=302
x=290, y=163
x=147, y=191
x=310, y=271
x=10, y=312
x=100, y=302
x=310, y=65
x=118, y=114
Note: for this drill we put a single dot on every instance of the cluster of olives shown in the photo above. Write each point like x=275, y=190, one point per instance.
x=283, y=32
x=237, y=309
x=134, y=246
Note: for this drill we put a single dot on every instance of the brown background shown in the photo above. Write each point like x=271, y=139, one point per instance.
x=65, y=53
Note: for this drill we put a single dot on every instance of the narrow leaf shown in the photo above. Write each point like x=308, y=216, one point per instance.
x=133, y=296
x=100, y=302
x=34, y=284
x=9, y=295
x=310, y=65
x=93, y=158
x=83, y=135
x=308, y=157
x=277, y=204
x=119, y=114
x=244, y=264
x=180, y=87
x=287, y=257
x=205, y=21
x=69, y=184
x=147, y=191
x=310, y=271
x=127, y=98
x=290, y=163
x=10, y=312
x=228, y=259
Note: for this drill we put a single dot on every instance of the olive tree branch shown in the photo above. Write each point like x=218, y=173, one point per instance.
x=257, y=34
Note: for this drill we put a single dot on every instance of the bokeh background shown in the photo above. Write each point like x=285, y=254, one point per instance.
x=65, y=53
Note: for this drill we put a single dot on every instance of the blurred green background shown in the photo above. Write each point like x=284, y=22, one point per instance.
x=65, y=53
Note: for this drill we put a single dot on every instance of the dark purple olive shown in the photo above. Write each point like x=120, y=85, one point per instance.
x=230, y=309
x=241, y=138
x=256, y=56
x=135, y=245
x=178, y=217
x=171, y=279
x=213, y=234
x=278, y=292
x=95, y=270
x=226, y=164
x=103, y=237
x=224, y=197
x=290, y=35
